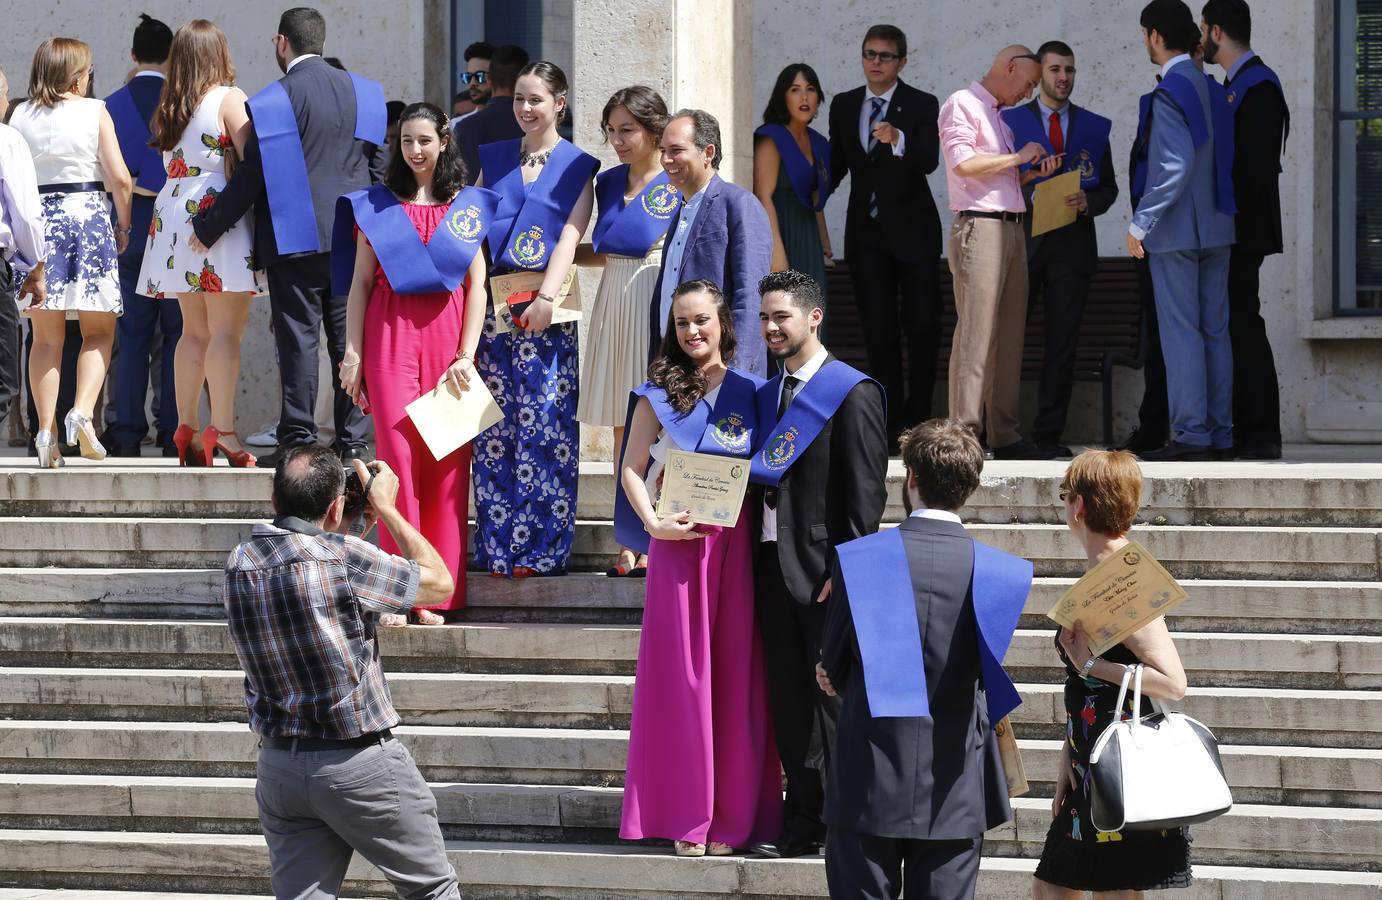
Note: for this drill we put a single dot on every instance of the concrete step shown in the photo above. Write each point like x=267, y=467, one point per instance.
x=1296, y=775
x=1236, y=493
x=1250, y=834
x=1334, y=718
x=495, y=870
x=1188, y=551
x=1219, y=659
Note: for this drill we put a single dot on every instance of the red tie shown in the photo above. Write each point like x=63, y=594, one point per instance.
x=1057, y=138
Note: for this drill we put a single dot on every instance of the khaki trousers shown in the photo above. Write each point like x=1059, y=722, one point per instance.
x=988, y=262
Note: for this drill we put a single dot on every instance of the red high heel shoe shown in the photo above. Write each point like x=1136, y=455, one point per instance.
x=182, y=439
x=211, y=442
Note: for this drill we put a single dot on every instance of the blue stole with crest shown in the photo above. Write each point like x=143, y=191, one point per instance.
x=1181, y=90
x=730, y=429
x=1250, y=77
x=1084, y=145
x=528, y=222
x=807, y=180
x=815, y=402
x=439, y=266
x=633, y=229
x=882, y=604
x=133, y=134
x=289, y=192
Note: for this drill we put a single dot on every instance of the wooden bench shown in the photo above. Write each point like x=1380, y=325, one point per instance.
x=1110, y=334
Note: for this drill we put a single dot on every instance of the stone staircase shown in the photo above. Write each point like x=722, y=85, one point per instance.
x=126, y=769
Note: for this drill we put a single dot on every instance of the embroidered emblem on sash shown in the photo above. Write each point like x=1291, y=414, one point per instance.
x=528, y=248
x=779, y=453
x=731, y=434
x=1085, y=166
x=1232, y=96
x=660, y=202
x=465, y=223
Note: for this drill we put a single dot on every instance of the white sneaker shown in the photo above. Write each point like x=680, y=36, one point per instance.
x=265, y=437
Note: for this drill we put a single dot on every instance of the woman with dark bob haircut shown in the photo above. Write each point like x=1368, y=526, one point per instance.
x=1101, y=493
x=413, y=321
x=791, y=173
x=636, y=204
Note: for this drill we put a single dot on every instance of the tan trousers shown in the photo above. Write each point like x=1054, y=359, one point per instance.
x=988, y=262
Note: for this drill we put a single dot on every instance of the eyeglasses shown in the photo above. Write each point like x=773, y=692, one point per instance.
x=883, y=56
x=477, y=77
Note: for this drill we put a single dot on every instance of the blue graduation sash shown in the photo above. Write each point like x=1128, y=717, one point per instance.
x=133, y=134
x=528, y=222
x=633, y=229
x=285, y=170
x=1084, y=145
x=1250, y=77
x=811, y=408
x=879, y=589
x=439, y=266
x=1181, y=90
x=729, y=429
x=806, y=180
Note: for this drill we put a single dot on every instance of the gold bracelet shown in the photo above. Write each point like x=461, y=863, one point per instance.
x=460, y=355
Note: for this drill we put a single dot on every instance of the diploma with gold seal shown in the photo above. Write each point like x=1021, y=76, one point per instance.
x=1118, y=596
x=711, y=487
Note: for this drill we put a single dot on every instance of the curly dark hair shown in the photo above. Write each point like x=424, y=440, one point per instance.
x=450, y=175
x=673, y=370
x=776, y=111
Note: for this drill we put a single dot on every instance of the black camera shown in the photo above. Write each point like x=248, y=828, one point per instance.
x=354, y=494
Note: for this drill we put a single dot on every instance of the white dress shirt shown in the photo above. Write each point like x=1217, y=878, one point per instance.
x=21, y=211
x=939, y=514
x=866, y=112
x=298, y=59
x=675, y=253
x=802, y=375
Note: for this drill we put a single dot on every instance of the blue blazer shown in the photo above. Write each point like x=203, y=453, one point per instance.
x=730, y=244
x=1179, y=209
x=144, y=90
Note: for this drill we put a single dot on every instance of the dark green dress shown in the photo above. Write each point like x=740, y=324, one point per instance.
x=801, y=238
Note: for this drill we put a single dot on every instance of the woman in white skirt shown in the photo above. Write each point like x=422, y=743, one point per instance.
x=200, y=119
x=636, y=204
x=77, y=160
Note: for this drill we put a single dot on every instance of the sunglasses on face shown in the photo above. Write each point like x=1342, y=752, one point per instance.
x=477, y=77
x=1066, y=495
x=881, y=56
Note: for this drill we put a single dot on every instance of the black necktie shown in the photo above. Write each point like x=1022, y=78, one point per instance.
x=789, y=389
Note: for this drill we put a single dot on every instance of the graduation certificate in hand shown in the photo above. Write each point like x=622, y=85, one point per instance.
x=448, y=420
x=711, y=487
x=1118, y=596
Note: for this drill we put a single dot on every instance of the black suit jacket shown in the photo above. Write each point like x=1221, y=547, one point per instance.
x=492, y=122
x=906, y=209
x=937, y=778
x=1078, y=238
x=835, y=493
x=1259, y=135
x=323, y=99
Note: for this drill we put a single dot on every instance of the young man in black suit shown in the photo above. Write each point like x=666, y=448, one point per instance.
x=495, y=120
x=824, y=476
x=337, y=162
x=917, y=778
x=1261, y=123
x=885, y=137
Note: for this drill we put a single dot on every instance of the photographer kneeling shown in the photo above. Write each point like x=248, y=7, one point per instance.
x=331, y=777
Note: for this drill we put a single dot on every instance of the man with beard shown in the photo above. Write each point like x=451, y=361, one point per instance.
x=823, y=467
x=1061, y=263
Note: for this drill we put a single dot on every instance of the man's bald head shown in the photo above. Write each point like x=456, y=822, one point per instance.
x=307, y=481
x=1014, y=73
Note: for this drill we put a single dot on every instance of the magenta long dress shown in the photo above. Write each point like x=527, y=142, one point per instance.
x=702, y=762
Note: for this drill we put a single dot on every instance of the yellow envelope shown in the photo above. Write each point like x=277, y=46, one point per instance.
x=1049, y=211
x=448, y=422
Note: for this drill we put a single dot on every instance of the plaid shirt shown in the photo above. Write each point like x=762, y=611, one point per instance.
x=295, y=605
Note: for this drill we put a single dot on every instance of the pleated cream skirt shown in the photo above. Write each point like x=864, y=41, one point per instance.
x=616, y=348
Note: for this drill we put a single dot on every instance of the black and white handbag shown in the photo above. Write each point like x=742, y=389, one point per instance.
x=1156, y=772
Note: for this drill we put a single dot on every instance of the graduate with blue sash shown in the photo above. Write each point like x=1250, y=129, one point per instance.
x=702, y=768
x=920, y=618
x=525, y=466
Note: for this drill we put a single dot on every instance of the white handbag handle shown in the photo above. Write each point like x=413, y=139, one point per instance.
x=1133, y=673
x=1123, y=692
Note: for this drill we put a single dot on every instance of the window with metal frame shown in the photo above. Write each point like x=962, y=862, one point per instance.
x=1358, y=157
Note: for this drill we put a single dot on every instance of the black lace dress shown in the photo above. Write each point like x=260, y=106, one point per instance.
x=1078, y=856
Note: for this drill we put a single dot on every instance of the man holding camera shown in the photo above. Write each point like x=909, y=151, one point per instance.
x=331, y=777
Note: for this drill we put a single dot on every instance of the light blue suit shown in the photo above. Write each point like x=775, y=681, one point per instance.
x=1187, y=239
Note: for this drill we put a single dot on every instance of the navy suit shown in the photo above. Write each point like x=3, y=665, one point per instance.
x=731, y=245
x=144, y=317
x=490, y=123
x=323, y=100
x=909, y=799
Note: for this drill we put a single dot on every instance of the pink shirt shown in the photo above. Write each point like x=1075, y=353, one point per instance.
x=970, y=125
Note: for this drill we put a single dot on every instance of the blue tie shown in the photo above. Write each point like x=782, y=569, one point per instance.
x=874, y=115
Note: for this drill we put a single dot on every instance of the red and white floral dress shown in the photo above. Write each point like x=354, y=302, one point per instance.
x=196, y=175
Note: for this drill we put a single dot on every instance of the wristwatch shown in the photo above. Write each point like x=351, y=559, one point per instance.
x=1088, y=666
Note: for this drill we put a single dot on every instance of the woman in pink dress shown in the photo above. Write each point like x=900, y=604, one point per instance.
x=703, y=769
x=416, y=308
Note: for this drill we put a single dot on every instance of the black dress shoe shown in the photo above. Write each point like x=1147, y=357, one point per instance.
x=126, y=451
x=1054, y=450
x=1019, y=449
x=1175, y=451
x=271, y=460
x=361, y=453
x=1140, y=441
x=786, y=848
x=1259, y=451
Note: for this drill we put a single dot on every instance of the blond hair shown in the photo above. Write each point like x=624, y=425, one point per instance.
x=59, y=63
x=198, y=60
x=1110, y=481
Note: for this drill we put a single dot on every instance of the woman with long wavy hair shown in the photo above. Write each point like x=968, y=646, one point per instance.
x=200, y=121
x=703, y=769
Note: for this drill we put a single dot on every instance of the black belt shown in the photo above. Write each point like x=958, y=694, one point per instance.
x=74, y=188
x=308, y=745
x=1001, y=216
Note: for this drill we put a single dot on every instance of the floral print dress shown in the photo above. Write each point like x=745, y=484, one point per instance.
x=196, y=175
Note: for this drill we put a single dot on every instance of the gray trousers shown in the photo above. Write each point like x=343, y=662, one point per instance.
x=317, y=808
